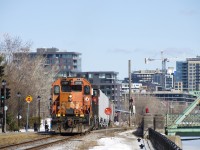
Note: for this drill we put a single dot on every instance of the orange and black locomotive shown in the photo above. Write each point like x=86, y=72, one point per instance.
x=73, y=105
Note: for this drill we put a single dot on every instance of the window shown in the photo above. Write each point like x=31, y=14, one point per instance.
x=90, y=75
x=87, y=90
x=102, y=81
x=102, y=75
x=66, y=88
x=95, y=92
x=77, y=88
x=56, y=90
x=70, y=88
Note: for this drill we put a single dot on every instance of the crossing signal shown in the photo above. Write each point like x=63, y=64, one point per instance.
x=1, y=71
x=7, y=93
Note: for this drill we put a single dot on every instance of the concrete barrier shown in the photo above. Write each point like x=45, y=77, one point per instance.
x=159, y=123
x=148, y=122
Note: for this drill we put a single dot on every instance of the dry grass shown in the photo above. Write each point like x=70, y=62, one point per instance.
x=13, y=138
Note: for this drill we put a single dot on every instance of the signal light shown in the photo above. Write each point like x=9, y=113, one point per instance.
x=1, y=71
x=2, y=97
x=2, y=94
x=7, y=93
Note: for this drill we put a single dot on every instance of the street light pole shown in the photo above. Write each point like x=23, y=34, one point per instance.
x=38, y=98
x=129, y=74
x=18, y=115
x=50, y=106
x=4, y=112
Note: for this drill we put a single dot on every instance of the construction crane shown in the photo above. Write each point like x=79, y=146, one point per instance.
x=164, y=70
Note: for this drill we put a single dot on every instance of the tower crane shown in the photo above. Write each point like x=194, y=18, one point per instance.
x=164, y=70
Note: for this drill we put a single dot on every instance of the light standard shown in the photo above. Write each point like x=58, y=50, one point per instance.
x=38, y=98
x=50, y=106
x=18, y=115
x=4, y=120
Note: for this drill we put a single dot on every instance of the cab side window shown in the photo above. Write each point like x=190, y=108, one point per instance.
x=87, y=90
x=56, y=90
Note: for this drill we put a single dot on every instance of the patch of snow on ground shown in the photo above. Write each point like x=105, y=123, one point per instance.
x=112, y=143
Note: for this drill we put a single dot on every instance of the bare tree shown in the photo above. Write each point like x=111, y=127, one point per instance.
x=143, y=102
x=25, y=75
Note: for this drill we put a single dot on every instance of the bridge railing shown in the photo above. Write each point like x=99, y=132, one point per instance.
x=161, y=142
x=190, y=120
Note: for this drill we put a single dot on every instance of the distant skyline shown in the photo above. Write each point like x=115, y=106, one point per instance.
x=108, y=33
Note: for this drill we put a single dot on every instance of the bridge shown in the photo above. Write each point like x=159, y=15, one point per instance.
x=185, y=123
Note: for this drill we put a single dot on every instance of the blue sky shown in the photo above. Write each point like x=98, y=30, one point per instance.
x=108, y=33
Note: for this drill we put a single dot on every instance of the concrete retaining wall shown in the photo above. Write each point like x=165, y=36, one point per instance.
x=148, y=122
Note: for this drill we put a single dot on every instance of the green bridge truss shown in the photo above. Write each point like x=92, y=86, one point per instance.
x=185, y=123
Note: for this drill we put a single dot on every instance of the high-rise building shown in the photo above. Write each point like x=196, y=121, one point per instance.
x=188, y=72
x=144, y=76
x=153, y=79
x=62, y=63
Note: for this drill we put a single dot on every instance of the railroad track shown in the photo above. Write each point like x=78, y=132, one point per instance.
x=48, y=144
x=39, y=143
x=49, y=141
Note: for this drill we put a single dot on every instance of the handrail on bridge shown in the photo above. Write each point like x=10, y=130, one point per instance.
x=161, y=142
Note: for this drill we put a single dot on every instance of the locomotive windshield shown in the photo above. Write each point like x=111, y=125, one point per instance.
x=67, y=87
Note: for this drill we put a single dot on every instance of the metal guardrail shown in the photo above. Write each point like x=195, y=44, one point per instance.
x=160, y=142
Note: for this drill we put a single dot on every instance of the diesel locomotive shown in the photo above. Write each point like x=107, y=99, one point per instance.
x=74, y=106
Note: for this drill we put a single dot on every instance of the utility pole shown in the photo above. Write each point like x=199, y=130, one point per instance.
x=163, y=70
x=129, y=73
x=39, y=98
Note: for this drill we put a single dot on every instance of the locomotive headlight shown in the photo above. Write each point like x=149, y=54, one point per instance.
x=86, y=99
x=70, y=98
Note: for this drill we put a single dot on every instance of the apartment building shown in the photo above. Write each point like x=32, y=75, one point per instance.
x=188, y=72
x=153, y=78
x=107, y=81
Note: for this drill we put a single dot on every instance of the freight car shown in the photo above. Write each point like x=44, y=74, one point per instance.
x=75, y=107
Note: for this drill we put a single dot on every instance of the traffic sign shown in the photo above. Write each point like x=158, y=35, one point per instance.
x=29, y=99
x=20, y=117
x=5, y=108
x=108, y=111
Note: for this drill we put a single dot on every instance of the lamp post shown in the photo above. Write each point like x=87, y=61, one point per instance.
x=50, y=102
x=129, y=74
x=38, y=98
x=18, y=115
x=4, y=120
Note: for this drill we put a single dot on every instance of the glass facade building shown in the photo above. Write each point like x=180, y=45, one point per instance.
x=188, y=72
